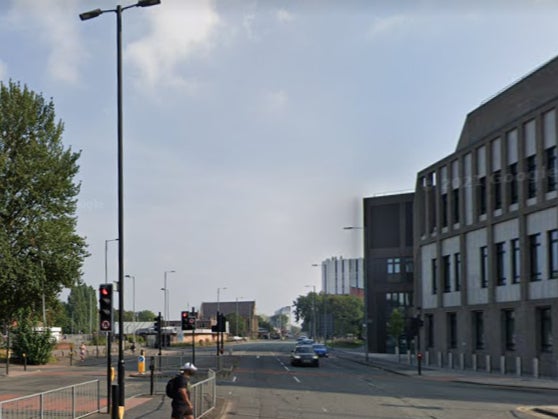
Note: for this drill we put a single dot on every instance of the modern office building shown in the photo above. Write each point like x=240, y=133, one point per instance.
x=343, y=276
x=486, y=236
x=388, y=260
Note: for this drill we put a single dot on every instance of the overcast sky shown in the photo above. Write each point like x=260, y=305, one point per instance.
x=253, y=129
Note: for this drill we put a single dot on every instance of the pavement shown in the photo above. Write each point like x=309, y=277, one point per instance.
x=158, y=406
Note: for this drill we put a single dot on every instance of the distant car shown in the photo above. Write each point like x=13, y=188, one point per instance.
x=304, y=355
x=320, y=349
x=301, y=338
x=306, y=342
x=239, y=339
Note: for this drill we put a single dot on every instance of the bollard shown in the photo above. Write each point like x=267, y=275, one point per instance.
x=24, y=361
x=475, y=362
x=502, y=364
x=114, y=407
x=536, y=367
x=488, y=365
x=518, y=366
x=462, y=361
x=419, y=363
x=71, y=358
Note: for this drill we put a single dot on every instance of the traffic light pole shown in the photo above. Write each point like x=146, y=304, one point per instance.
x=109, y=370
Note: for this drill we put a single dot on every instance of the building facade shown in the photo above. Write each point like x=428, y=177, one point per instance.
x=342, y=276
x=486, y=235
x=388, y=258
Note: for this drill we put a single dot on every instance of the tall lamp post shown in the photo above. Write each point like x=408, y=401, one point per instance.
x=365, y=290
x=86, y=16
x=166, y=306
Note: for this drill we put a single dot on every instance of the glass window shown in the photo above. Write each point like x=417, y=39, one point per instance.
x=484, y=267
x=455, y=206
x=393, y=265
x=531, y=177
x=481, y=196
x=452, y=330
x=497, y=189
x=457, y=271
x=508, y=318
x=513, y=188
x=434, y=266
x=515, y=261
x=534, y=252
x=444, y=210
x=553, y=253
x=545, y=329
x=500, y=252
x=478, y=327
x=447, y=272
x=551, y=175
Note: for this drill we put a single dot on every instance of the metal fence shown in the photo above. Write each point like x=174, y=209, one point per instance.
x=67, y=402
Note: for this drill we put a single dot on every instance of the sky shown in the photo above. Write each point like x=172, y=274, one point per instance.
x=254, y=129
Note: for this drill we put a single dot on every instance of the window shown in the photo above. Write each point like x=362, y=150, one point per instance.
x=444, y=210
x=500, y=252
x=531, y=177
x=545, y=329
x=513, y=188
x=434, y=266
x=508, y=319
x=429, y=330
x=478, y=327
x=515, y=261
x=446, y=272
x=497, y=189
x=481, y=196
x=534, y=251
x=409, y=268
x=457, y=271
x=484, y=267
x=553, y=253
x=393, y=265
x=452, y=330
x=455, y=206
x=551, y=167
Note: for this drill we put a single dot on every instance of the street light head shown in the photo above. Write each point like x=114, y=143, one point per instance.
x=147, y=3
x=90, y=14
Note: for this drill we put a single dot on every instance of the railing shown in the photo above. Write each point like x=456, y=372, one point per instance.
x=67, y=402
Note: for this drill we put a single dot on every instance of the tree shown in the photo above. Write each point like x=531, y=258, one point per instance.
x=30, y=342
x=41, y=251
x=146, y=316
x=82, y=309
x=395, y=326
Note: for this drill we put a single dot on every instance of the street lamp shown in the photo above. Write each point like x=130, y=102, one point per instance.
x=165, y=307
x=85, y=16
x=133, y=302
x=364, y=289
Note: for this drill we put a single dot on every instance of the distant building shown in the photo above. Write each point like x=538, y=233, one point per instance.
x=246, y=311
x=486, y=237
x=388, y=250
x=343, y=276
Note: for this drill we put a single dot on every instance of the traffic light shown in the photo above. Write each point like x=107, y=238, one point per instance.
x=105, y=307
x=185, y=320
x=157, y=324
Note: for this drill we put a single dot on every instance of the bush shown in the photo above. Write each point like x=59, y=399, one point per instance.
x=36, y=345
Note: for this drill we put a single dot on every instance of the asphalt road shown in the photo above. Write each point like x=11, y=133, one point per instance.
x=264, y=385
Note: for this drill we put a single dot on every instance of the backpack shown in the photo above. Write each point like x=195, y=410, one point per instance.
x=171, y=389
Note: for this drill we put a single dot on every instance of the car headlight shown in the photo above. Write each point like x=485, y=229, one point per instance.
x=297, y=357
x=315, y=357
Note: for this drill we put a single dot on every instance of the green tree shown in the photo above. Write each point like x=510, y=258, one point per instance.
x=396, y=325
x=146, y=316
x=36, y=345
x=41, y=251
x=82, y=309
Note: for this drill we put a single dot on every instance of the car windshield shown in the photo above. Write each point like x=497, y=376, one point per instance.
x=303, y=349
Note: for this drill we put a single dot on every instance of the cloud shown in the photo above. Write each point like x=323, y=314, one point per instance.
x=284, y=16
x=177, y=31
x=276, y=100
x=51, y=26
x=381, y=27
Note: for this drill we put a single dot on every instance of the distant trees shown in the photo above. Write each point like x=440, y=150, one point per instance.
x=334, y=315
x=41, y=251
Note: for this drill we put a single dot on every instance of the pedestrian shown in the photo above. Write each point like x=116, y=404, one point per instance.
x=182, y=406
x=82, y=351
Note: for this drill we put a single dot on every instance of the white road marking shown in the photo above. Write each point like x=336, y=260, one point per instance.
x=296, y=379
x=234, y=379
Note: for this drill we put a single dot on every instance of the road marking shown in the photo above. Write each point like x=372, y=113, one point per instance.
x=234, y=379
x=296, y=379
x=324, y=409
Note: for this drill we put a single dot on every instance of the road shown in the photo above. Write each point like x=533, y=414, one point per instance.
x=264, y=385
